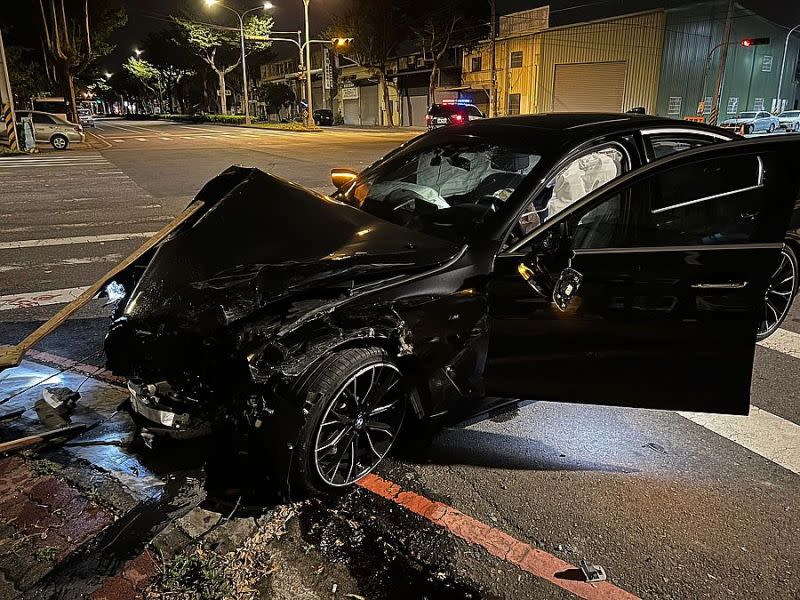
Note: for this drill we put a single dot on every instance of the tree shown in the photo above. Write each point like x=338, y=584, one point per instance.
x=377, y=27
x=74, y=35
x=211, y=43
x=148, y=75
x=26, y=70
x=453, y=23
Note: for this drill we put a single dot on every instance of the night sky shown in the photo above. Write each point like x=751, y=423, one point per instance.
x=150, y=15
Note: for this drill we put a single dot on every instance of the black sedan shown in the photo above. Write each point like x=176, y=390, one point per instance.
x=607, y=259
x=323, y=116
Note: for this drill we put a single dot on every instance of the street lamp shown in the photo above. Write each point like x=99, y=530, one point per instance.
x=783, y=63
x=138, y=52
x=241, y=15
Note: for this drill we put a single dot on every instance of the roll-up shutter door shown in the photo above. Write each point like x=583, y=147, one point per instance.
x=589, y=87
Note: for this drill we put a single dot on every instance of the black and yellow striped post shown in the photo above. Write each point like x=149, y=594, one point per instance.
x=10, y=137
x=7, y=100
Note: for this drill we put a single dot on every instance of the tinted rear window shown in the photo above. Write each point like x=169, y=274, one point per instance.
x=446, y=110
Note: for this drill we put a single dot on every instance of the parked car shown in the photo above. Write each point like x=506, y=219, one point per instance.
x=86, y=117
x=53, y=130
x=790, y=120
x=452, y=113
x=602, y=259
x=753, y=122
x=323, y=116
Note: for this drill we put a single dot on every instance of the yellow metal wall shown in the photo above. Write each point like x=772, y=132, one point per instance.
x=637, y=40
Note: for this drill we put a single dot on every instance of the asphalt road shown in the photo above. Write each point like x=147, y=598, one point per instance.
x=672, y=505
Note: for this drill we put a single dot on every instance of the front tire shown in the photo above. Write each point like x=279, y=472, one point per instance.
x=354, y=407
x=780, y=294
x=59, y=142
x=771, y=128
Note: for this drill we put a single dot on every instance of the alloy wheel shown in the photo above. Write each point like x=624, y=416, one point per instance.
x=360, y=424
x=780, y=293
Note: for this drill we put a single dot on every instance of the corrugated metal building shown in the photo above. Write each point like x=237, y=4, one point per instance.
x=607, y=65
x=691, y=60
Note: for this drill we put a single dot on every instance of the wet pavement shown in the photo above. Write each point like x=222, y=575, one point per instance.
x=668, y=507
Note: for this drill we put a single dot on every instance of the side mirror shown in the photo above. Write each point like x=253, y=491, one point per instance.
x=342, y=177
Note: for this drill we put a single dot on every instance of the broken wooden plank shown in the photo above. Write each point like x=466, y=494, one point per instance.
x=11, y=356
x=32, y=440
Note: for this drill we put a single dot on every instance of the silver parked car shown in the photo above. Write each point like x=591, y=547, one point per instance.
x=753, y=122
x=52, y=129
x=790, y=120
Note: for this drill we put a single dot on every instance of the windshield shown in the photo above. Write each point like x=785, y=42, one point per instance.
x=444, y=190
x=748, y=115
x=790, y=114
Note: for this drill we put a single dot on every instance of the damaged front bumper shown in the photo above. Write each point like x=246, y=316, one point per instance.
x=165, y=412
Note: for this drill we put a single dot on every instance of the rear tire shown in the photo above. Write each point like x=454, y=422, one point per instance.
x=771, y=128
x=59, y=142
x=353, y=408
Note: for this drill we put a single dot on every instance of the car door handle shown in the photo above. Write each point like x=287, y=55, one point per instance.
x=736, y=285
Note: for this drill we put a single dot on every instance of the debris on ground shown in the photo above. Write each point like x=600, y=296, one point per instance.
x=56, y=406
x=592, y=573
x=202, y=572
x=33, y=440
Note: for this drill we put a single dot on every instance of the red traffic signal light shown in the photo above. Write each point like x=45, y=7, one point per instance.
x=755, y=42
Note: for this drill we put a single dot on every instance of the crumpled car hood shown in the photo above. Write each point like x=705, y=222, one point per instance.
x=265, y=239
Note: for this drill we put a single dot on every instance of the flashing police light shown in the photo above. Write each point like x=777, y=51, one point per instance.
x=460, y=102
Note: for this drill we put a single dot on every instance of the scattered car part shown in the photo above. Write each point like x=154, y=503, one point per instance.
x=592, y=573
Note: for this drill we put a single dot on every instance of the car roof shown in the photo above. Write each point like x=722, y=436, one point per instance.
x=573, y=127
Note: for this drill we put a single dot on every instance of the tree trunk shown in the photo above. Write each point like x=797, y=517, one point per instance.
x=386, y=105
x=223, y=101
x=69, y=94
x=432, y=81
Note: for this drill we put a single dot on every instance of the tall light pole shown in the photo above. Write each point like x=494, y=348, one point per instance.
x=783, y=64
x=310, y=116
x=241, y=15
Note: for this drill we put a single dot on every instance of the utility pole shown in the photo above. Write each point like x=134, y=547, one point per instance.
x=723, y=58
x=493, y=61
x=310, y=117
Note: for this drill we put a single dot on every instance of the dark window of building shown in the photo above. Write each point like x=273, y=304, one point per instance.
x=477, y=63
x=514, y=103
x=516, y=59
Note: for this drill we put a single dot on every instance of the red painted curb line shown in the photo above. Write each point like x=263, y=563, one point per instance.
x=503, y=546
x=72, y=365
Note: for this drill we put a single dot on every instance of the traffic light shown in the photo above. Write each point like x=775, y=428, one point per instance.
x=755, y=42
x=341, y=43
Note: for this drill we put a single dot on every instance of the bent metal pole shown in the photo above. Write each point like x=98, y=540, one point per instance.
x=11, y=356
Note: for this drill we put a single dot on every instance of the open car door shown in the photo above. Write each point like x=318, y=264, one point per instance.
x=648, y=292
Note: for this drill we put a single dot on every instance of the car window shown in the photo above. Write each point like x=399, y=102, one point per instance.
x=473, y=111
x=710, y=202
x=666, y=145
x=463, y=181
x=573, y=182
x=748, y=115
x=41, y=119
